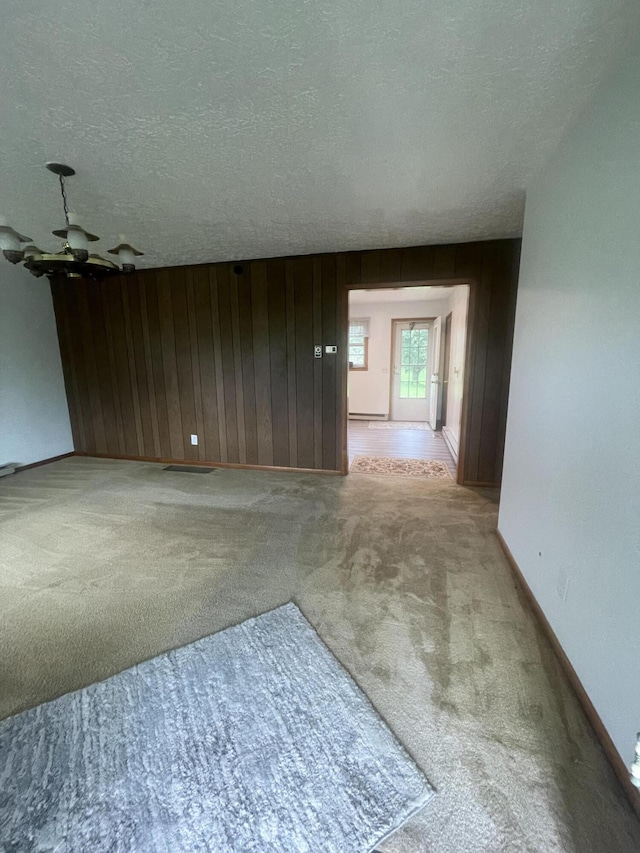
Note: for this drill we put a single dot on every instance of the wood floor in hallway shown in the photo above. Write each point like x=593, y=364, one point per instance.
x=397, y=443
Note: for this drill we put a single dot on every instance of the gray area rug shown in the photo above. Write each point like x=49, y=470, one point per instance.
x=254, y=739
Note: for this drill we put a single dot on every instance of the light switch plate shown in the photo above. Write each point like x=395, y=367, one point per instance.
x=331, y=349
x=194, y=439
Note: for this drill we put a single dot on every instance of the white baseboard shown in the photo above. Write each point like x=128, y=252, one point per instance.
x=367, y=416
x=451, y=442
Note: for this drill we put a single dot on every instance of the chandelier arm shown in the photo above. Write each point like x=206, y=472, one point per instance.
x=65, y=204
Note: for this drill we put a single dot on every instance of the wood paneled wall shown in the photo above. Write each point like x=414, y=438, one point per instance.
x=153, y=357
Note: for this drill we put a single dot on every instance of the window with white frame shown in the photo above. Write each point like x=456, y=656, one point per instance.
x=359, y=343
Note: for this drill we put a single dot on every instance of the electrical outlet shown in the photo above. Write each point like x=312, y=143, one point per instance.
x=194, y=439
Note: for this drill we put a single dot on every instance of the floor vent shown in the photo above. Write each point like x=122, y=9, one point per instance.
x=189, y=469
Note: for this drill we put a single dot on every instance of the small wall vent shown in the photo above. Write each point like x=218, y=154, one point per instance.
x=189, y=469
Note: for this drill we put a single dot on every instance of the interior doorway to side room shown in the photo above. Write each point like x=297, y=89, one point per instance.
x=407, y=349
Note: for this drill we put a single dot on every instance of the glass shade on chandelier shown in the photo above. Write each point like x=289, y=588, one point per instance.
x=10, y=241
x=126, y=254
x=74, y=260
x=77, y=238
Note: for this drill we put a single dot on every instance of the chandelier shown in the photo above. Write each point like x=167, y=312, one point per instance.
x=74, y=260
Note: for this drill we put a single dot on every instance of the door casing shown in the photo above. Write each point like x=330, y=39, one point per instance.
x=394, y=323
x=446, y=359
x=469, y=355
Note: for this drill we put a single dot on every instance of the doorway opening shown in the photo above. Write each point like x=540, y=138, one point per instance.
x=407, y=349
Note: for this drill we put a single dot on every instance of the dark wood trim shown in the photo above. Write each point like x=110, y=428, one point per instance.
x=169, y=461
x=466, y=390
x=491, y=269
x=44, y=462
x=343, y=408
x=612, y=754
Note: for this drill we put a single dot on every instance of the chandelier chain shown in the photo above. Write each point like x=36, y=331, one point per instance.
x=64, y=199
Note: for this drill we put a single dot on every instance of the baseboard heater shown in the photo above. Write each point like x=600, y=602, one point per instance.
x=451, y=443
x=367, y=416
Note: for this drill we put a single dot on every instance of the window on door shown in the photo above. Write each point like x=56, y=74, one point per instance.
x=414, y=350
x=359, y=344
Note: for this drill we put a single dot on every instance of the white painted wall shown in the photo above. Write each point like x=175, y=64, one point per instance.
x=369, y=389
x=34, y=419
x=458, y=306
x=570, y=509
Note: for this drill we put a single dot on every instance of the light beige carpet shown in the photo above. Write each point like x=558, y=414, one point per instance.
x=415, y=425
x=406, y=467
x=104, y=564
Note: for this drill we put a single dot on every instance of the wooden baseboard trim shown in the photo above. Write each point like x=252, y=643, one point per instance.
x=617, y=764
x=44, y=462
x=485, y=484
x=238, y=465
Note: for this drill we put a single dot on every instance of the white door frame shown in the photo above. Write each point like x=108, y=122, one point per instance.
x=435, y=380
x=394, y=325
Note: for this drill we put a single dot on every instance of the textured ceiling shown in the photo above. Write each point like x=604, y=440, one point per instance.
x=222, y=129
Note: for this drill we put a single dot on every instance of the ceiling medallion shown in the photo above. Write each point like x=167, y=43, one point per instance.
x=74, y=261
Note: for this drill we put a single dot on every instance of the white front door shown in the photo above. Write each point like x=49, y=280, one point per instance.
x=411, y=357
x=435, y=398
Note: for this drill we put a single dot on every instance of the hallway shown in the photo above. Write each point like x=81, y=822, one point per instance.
x=397, y=443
